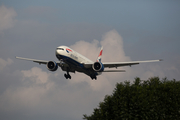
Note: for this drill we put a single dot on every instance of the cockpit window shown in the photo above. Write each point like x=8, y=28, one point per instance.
x=60, y=49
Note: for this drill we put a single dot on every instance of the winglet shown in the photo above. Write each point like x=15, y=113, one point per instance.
x=100, y=54
x=160, y=59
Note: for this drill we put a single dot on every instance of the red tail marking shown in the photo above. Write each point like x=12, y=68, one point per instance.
x=100, y=54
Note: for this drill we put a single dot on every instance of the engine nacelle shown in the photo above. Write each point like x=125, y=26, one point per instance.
x=52, y=66
x=98, y=67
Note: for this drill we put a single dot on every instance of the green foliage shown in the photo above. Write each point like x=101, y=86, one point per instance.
x=153, y=99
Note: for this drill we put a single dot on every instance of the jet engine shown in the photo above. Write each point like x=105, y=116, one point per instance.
x=52, y=66
x=98, y=67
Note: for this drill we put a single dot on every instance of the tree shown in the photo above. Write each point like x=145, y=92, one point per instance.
x=151, y=99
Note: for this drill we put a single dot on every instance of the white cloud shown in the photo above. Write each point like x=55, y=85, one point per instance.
x=6, y=17
x=37, y=74
x=36, y=85
x=90, y=50
x=113, y=47
x=5, y=63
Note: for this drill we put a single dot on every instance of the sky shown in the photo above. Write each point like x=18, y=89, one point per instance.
x=127, y=30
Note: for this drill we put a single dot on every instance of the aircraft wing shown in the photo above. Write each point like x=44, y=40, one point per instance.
x=120, y=64
x=42, y=61
x=34, y=60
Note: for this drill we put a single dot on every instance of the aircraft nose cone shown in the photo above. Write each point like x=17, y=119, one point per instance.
x=56, y=52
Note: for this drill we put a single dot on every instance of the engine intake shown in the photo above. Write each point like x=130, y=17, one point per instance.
x=98, y=67
x=52, y=66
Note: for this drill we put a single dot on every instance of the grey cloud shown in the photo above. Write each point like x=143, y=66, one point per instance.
x=5, y=63
x=6, y=17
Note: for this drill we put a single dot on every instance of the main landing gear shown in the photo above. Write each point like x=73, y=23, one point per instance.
x=93, y=77
x=67, y=75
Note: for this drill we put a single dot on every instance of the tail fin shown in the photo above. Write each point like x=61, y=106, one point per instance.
x=100, y=54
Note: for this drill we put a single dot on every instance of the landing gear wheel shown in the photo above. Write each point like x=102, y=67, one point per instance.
x=93, y=77
x=67, y=76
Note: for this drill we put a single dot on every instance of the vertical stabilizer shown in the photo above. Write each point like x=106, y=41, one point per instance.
x=100, y=54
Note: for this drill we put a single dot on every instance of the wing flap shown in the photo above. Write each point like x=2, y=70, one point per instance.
x=114, y=71
x=112, y=65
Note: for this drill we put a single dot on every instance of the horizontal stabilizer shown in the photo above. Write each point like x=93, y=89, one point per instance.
x=114, y=71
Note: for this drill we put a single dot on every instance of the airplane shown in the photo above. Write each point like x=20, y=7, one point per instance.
x=71, y=61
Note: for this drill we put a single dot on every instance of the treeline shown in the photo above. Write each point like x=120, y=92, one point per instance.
x=153, y=99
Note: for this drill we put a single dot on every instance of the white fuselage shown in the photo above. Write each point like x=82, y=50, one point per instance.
x=66, y=52
x=74, y=60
